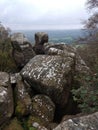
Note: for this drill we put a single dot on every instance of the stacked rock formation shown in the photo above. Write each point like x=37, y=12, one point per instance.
x=22, y=49
x=40, y=39
x=40, y=94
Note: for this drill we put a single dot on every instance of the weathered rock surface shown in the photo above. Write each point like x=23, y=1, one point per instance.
x=59, y=49
x=40, y=39
x=14, y=125
x=45, y=80
x=50, y=75
x=23, y=100
x=42, y=112
x=6, y=98
x=89, y=122
x=22, y=49
x=43, y=108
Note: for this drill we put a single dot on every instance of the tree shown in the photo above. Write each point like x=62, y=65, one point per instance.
x=3, y=32
x=6, y=61
x=92, y=22
x=92, y=4
x=89, y=53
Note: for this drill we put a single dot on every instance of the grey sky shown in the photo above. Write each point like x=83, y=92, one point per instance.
x=43, y=14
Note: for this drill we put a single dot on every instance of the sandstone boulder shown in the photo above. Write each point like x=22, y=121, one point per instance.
x=59, y=49
x=22, y=49
x=50, y=75
x=43, y=108
x=89, y=122
x=56, y=74
x=6, y=98
x=40, y=39
x=42, y=112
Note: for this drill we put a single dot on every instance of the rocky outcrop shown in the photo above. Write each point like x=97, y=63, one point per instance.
x=42, y=90
x=59, y=49
x=50, y=75
x=89, y=122
x=6, y=98
x=22, y=49
x=40, y=39
x=53, y=75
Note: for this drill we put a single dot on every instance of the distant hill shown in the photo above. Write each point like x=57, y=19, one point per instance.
x=66, y=36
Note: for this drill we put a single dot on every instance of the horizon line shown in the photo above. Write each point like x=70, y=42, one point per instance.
x=46, y=29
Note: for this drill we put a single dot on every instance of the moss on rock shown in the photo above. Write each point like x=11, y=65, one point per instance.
x=14, y=125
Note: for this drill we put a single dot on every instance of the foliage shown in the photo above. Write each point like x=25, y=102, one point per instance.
x=89, y=53
x=87, y=96
x=32, y=128
x=92, y=4
x=92, y=23
x=6, y=61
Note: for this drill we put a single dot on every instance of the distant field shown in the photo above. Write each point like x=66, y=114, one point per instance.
x=56, y=36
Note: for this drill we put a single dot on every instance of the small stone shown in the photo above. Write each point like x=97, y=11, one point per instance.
x=35, y=124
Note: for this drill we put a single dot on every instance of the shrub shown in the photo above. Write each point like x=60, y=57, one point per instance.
x=6, y=61
x=87, y=96
x=89, y=53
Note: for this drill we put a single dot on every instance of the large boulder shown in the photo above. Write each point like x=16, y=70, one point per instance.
x=89, y=122
x=40, y=39
x=54, y=74
x=50, y=75
x=22, y=49
x=6, y=98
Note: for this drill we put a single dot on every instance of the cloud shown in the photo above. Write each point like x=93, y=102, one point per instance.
x=23, y=14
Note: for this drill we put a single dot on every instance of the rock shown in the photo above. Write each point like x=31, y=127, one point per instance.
x=14, y=125
x=23, y=100
x=89, y=122
x=43, y=108
x=56, y=75
x=66, y=117
x=6, y=98
x=42, y=112
x=59, y=49
x=22, y=49
x=51, y=126
x=40, y=39
x=50, y=75
x=13, y=78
